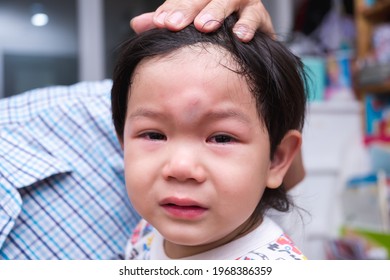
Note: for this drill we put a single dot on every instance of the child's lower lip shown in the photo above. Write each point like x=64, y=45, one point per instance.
x=184, y=212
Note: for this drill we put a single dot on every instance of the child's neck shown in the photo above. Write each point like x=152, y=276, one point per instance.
x=177, y=251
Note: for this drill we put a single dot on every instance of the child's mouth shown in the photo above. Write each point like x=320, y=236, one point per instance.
x=183, y=209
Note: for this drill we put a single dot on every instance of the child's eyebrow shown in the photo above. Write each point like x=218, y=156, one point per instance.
x=228, y=114
x=214, y=115
x=145, y=113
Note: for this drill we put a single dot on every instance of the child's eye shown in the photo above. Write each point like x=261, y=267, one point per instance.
x=222, y=138
x=154, y=136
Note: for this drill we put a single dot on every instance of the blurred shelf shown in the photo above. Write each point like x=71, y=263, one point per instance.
x=378, y=12
x=375, y=78
x=383, y=88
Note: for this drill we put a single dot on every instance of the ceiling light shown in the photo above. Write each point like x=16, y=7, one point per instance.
x=39, y=19
x=39, y=16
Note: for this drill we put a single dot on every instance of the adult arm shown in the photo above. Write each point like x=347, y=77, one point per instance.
x=207, y=16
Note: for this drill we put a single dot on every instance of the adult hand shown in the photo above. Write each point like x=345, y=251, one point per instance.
x=207, y=16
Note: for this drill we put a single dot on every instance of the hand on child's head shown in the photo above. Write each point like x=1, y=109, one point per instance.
x=207, y=16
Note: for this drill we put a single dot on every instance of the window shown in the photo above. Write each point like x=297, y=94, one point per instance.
x=38, y=46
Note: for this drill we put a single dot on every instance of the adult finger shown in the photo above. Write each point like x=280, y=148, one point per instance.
x=207, y=16
x=252, y=18
x=177, y=14
x=142, y=22
x=212, y=15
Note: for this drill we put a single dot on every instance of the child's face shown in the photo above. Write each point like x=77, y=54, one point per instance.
x=197, y=156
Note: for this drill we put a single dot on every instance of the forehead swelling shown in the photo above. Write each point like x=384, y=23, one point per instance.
x=214, y=65
x=215, y=58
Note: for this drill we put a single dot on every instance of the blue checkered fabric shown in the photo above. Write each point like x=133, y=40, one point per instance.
x=62, y=193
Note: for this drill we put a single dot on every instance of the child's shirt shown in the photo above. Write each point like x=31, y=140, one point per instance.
x=266, y=242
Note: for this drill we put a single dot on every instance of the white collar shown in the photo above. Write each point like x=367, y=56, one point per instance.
x=266, y=232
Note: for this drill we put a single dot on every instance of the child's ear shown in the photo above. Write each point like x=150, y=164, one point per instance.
x=283, y=157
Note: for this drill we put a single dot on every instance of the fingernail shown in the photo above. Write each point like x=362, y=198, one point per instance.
x=240, y=31
x=176, y=18
x=209, y=21
x=243, y=33
x=161, y=18
x=206, y=18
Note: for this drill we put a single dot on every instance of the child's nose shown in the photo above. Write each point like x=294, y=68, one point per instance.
x=184, y=164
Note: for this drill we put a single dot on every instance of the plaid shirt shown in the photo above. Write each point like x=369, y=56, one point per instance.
x=62, y=193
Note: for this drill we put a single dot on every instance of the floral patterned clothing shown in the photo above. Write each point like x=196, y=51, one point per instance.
x=266, y=242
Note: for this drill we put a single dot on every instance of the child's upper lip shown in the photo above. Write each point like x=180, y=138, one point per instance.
x=183, y=202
